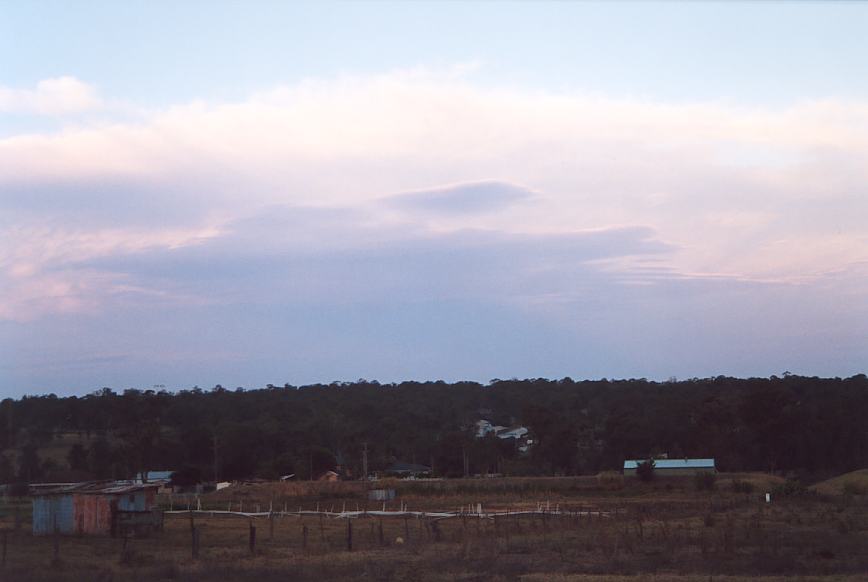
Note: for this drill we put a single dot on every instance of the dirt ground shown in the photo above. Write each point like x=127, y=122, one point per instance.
x=657, y=532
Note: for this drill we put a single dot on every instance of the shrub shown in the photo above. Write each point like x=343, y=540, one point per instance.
x=705, y=481
x=645, y=470
x=610, y=481
x=854, y=488
x=17, y=490
x=745, y=487
x=791, y=487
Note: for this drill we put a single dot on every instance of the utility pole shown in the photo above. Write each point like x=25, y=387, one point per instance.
x=216, y=460
x=365, y=461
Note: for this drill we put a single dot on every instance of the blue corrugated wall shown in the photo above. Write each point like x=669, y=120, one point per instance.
x=53, y=511
x=132, y=502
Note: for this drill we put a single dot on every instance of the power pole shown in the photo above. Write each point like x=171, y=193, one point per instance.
x=216, y=460
x=365, y=461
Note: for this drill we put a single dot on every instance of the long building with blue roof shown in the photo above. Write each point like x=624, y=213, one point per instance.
x=673, y=467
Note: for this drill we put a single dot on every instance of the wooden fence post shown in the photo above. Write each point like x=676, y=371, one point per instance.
x=197, y=539
x=380, y=533
x=349, y=535
x=304, y=538
x=270, y=526
x=252, y=540
x=126, y=551
x=194, y=538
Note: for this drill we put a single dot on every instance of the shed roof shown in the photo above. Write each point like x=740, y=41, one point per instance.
x=513, y=433
x=673, y=463
x=98, y=488
x=408, y=468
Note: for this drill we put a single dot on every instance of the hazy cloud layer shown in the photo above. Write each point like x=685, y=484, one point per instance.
x=58, y=96
x=470, y=198
x=558, y=232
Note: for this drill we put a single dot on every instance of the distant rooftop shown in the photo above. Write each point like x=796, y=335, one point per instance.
x=155, y=476
x=408, y=468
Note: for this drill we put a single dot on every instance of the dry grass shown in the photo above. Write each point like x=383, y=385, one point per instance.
x=855, y=483
x=656, y=533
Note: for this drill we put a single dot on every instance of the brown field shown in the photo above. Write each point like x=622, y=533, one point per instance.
x=664, y=531
x=855, y=483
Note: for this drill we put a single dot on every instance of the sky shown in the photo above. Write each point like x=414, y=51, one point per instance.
x=243, y=193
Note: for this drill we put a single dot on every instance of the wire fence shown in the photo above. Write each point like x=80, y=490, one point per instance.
x=465, y=512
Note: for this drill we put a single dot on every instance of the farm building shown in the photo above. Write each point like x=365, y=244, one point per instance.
x=95, y=508
x=162, y=478
x=673, y=467
x=408, y=470
x=154, y=477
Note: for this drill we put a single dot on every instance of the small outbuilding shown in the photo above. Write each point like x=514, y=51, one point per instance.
x=101, y=508
x=381, y=494
x=408, y=471
x=672, y=467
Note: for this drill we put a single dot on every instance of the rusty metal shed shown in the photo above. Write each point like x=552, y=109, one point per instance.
x=90, y=508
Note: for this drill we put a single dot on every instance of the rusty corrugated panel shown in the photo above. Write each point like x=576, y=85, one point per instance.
x=93, y=514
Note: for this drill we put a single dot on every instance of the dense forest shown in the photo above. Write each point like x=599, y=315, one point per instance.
x=789, y=424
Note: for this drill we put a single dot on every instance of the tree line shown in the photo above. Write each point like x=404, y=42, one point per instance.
x=788, y=424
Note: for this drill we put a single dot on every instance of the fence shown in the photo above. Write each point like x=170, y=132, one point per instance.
x=469, y=511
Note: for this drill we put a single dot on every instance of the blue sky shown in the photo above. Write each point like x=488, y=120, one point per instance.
x=159, y=53
x=195, y=193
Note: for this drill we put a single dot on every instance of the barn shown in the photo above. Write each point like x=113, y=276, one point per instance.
x=673, y=467
x=100, y=508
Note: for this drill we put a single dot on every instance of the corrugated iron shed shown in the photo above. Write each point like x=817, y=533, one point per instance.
x=88, y=508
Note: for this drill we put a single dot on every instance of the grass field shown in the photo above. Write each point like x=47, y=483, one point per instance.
x=854, y=483
x=664, y=531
